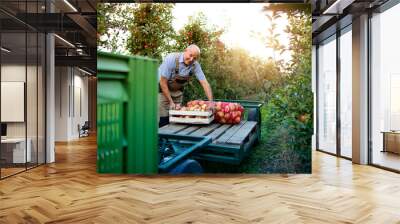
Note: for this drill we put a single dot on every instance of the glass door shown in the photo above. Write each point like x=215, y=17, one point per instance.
x=327, y=95
x=346, y=92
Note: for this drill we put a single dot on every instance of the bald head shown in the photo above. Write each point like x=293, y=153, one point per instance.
x=195, y=48
x=191, y=54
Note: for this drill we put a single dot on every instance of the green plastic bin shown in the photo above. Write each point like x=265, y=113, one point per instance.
x=127, y=118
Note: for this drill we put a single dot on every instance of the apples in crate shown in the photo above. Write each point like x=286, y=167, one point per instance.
x=195, y=112
x=198, y=105
x=228, y=113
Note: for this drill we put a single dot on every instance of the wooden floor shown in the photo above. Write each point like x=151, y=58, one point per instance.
x=70, y=191
x=10, y=171
x=387, y=159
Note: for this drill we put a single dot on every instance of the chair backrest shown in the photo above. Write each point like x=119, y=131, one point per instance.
x=86, y=125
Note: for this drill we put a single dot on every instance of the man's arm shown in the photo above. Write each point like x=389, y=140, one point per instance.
x=203, y=81
x=165, y=90
x=207, y=89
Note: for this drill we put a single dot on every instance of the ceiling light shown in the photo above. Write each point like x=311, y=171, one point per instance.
x=86, y=72
x=5, y=50
x=70, y=5
x=65, y=41
x=338, y=6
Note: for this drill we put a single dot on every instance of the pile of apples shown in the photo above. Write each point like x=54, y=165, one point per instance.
x=195, y=105
x=228, y=113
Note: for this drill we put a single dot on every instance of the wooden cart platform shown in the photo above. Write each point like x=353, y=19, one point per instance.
x=230, y=142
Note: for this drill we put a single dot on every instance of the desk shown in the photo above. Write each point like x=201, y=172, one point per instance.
x=391, y=141
x=16, y=147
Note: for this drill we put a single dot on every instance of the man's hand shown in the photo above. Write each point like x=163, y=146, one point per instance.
x=211, y=106
x=207, y=89
x=172, y=105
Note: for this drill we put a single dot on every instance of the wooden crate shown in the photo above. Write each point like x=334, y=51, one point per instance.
x=206, y=117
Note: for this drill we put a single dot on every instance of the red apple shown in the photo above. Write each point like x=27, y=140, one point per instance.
x=226, y=109
x=232, y=107
x=237, y=120
x=227, y=116
x=220, y=114
x=223, y=121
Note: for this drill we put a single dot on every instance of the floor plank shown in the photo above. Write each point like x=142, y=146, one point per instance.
x=70, y=191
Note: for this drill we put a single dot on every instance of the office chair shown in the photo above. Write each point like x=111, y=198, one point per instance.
x=84, y=130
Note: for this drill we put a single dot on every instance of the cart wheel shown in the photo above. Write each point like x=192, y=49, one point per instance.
x=187, y=166
x=255, y=115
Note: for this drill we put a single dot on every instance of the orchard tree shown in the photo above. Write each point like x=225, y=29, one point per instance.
x=206, y=38
x=151, y=30
x=291, y=105
x=197, y=32
x=113, y=20
x=299, y=29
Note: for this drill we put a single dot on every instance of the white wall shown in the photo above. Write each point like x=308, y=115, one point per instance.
x=15, y=72
x=62, y=81
x=71, y=93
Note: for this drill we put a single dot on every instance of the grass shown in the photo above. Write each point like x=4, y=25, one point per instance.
x=271, y=155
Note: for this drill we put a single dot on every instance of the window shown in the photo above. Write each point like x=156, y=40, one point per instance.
x=385, y=89
x=23, y=89
x=346, y=92
x=327, y=95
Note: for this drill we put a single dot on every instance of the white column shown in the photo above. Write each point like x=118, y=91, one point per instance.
x=314, y=87
x=360, y=90
x=50, y=101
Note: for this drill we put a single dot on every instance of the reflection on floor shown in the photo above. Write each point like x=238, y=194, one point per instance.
x=11, y=169
x=387, y=159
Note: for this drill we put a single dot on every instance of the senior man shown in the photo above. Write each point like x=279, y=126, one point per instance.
x=173, y=75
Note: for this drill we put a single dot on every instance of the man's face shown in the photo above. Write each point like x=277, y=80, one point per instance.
x=190, y=56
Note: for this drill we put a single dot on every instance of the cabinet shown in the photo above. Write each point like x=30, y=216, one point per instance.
x=13, y=150
x=391, y=141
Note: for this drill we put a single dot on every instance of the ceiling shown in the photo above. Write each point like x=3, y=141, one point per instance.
x=74, y=22
x=330, y=15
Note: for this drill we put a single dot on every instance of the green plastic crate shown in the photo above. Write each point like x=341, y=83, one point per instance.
x=127, y=118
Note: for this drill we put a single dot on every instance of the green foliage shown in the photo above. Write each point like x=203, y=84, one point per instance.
x=290, y=106
x=272, y=39
x=112, y=26
x=151, y=29
x=289, y=8
x=197, y=32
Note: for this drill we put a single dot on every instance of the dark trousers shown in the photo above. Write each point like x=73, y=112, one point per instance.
x=163, y=121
